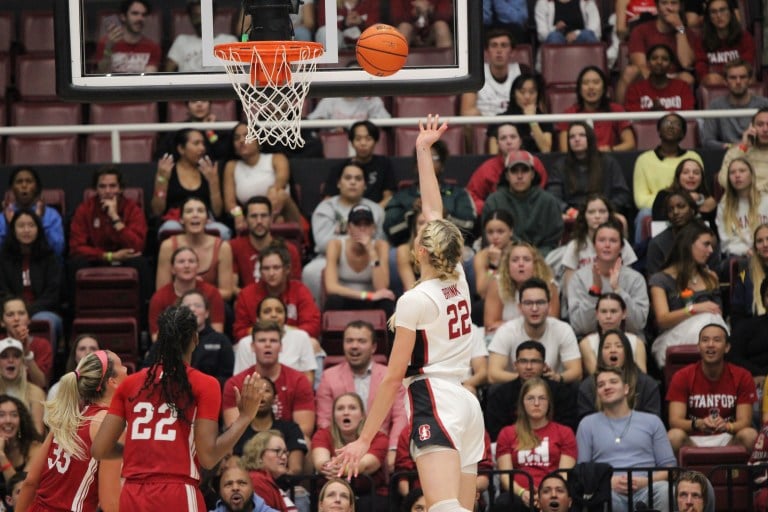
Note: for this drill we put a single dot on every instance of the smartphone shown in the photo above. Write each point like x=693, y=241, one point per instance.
x=752, y=140
x=109, y=22
x=714, y=413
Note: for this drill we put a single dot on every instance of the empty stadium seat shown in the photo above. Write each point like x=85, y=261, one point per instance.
x=561, y=64
x=36, y=32
x=135, y=193
x=335, y=144
x=560, y=99
x=224, y=110
x=120, y=113
x=41, y=150
x=118, y=334
x=35, y=77
x=405, y=140
x=45, y=114
x=334, y=323
x=648, y=137
x=480, y=139
x=133, y=148
x=5, y=74
x=431, y=57
x=107, y=292
x=522, y=54
x=679, y=357
x=417, y=106
x=707, y=459
x=7, y=32
x=290, y=232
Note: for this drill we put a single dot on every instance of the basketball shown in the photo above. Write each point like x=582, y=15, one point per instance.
x=381, y=50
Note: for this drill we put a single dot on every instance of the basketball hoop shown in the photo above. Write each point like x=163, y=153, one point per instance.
x=272, y=80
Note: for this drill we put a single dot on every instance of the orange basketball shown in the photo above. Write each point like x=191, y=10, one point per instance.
x=381, y=50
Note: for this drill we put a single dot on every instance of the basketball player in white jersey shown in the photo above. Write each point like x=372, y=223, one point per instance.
x=431, y=351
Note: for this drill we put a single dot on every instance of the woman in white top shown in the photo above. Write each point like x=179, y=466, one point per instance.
x=447, y=422
x=741, y=209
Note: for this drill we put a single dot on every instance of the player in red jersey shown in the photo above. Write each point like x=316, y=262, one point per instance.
x=62, y=475
x=172, y=412
x=432, y=350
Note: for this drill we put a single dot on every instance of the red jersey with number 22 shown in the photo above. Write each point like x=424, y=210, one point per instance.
x=158, y=445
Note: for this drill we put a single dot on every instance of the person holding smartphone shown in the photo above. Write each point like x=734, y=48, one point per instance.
x=754, y=148
x=123, y=48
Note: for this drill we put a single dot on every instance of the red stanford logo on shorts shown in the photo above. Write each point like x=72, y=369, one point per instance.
x=424, y=433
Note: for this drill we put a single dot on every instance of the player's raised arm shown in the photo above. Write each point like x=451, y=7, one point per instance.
x=431, y=200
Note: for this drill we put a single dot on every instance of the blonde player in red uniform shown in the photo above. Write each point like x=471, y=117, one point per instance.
x=172, y=412
x=432, y=350
x=62, y=475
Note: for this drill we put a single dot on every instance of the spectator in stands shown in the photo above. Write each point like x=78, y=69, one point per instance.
x=329, y=220
x=407, y=270
x=655, y=168
x=379, y=177
x=485, y=178
x=236, y=492
x=566, y=22
x=626, y=14
x=536, y=212
x=668, y=29
x=38, y=355
x=353, y=16
x=124, y=48
x=348, y=415
x=563, y=360
x=29, y=268
x=692, y=492
x=499, y=72
x=15, y=381
x=519, y=262
x=580, y=252
x=498, y=232
x=530, y=363
x=301, y=309
x=294, y=401
x=608, y=273
x=246, y=248
x=336, y=495
x=414, y=501
x=685, y=295
x=753, y=147
x=611, y=313
x=21, y=440
x=616, y=350
x=585, y=170
x=511, y=15
x=254, y=173
x=303, y=22
x=592, y=96
x=13, y=490
x=359, y=373
x=424, y=22
x=722, y=41
x=689, y=178
x=623, y=438
x=300, y=352
x=680, y=212
x=553, y=494
x=26, y=188
x=658, y=91
x=184, y=278
x=457, y=203
x=213, y=354
x=109, y=229
x=350, y=288
x=83, y=345
x=265, y=457
x=724, y=132
x=213, y=253
x=188, y=172
x=186, y=52
x=218, y=144
x=265, y=420
x=526, y=98
x=747, y=297
x=741, y=209
x=710, y=401
x=535, y=444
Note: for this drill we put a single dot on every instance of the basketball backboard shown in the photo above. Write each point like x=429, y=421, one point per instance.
x=81, y=24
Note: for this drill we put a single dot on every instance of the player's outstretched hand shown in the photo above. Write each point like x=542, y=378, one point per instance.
x=348, y=458
x=249, y=399
x=430, y=132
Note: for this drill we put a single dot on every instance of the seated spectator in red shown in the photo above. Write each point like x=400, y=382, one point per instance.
x=710, y=402
x=295, y=400
x=424, y=22
x=37, y=354
x=592, y=96
x=722, y=41
x=124, y=48
x=275, y=264
x=184, y=264
x=246, y=248
x=658, y=91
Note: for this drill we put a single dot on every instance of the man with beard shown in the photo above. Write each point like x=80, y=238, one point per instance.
x=236, y=493
x=360, y=374
x=754, y=148
x=553, y=494
x=186, y=52
x=124, y=49
x=724, y=132
x=246, y=248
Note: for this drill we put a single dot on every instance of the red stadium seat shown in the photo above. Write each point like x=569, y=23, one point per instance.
x=560, y=99
x=290, y=232
x=224, y=110
x=45, y=114
x=5, y=74
x=405, y=140
x=123, y=113
x=334, y=323
x=41, y=150
x=335, y=144
x=35, y=77
x=36, y=32
x=648, y=138
x=118, y=334
x=522, y=54
x=431, y=57
x=107, y=291
x=679, y=357
x=135, y=193
x=419, y=106
x=7, y=32
x=133, y=148
x=561, y=64
x=480, y=139
x=707, y=459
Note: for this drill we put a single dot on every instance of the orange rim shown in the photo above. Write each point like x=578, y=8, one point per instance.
x=275, y=69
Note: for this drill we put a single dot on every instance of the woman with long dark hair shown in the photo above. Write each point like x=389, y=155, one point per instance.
x=172, y=416
x=722, y=41
x=526, y=97
x=689, y=177
x=19, y=440
x=746, y=298
x=63, y=476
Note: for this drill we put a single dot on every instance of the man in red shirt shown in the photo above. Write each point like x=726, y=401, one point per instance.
x=246, y=248
x=710, y=402
x=124, y=49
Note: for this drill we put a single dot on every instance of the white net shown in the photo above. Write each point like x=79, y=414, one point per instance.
x=272, y=83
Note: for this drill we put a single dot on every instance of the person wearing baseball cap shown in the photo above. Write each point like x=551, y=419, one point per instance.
x=14, y=382
x=536, y=212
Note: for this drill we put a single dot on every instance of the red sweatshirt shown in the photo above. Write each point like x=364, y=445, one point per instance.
x=302, y=312
x=92, y=234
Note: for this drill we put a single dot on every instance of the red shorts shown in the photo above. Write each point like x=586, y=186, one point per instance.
x=138, y=495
